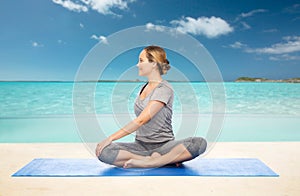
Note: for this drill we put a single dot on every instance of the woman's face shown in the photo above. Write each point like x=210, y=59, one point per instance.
x=145, y=67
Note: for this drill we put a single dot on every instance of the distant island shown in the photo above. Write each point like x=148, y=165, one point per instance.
x=240, y=79
x=248, y=79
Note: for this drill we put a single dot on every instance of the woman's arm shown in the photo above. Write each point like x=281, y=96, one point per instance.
x=150, y=110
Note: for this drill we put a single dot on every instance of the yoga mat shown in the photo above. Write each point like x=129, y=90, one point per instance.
x=93, y=167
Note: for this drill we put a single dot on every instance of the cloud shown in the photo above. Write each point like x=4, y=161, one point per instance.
x=210, y=27
x=297, y=18
x=237, y=45
x=270, y=30
x=81, y=25
x=61, y=42
x=284, y=57
x=101, y=6
x=294, y=9
x=105, y=6
x=70, y=5
x=159, y=28
x=36, y=44
x=245, y=25
x=276, y=52
x=100, y=38
x=251, y=13
x=291, y=44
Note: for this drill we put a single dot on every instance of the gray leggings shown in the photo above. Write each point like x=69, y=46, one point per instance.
x=195, y=145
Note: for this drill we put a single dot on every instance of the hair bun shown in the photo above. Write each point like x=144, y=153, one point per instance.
x=165, y=66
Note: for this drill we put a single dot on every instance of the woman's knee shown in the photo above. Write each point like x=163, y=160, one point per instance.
x=196, y=145
x=109, y=154
x=203, y=144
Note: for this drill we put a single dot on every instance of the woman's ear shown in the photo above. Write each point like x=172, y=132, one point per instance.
x=153, y=64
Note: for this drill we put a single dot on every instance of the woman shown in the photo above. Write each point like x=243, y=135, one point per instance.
x=154, y=145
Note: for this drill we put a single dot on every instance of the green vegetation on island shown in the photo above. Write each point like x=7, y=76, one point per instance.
x=248, y=79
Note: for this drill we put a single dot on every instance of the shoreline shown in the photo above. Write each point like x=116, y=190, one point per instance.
x=234, y=128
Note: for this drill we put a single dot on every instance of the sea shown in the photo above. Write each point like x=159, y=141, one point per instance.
x=229, y=111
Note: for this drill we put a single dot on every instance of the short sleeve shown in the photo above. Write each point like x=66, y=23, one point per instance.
x=162, y=93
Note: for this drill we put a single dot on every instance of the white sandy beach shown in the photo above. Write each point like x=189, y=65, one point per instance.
x=282, y=157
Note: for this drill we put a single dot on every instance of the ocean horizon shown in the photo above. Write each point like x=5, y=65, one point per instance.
x=282, y=80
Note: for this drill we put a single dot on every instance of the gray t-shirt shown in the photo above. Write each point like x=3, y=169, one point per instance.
x=159, y=128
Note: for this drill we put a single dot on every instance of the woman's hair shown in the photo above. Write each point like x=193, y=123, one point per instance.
x=158, y=55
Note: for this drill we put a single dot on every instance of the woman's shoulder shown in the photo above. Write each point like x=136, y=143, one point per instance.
x=166, y=84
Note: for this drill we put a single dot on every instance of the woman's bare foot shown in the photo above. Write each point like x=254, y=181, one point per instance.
x=143, y=162
x=136, y=163
x=146, y=162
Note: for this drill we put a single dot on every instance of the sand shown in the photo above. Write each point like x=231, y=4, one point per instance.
x=282, y=157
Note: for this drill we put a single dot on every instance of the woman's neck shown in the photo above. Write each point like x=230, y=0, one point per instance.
x=153, y=81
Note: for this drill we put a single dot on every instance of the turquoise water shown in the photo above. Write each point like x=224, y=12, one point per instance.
x=43, y=111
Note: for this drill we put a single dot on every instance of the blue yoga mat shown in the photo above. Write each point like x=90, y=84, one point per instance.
x=197, y=167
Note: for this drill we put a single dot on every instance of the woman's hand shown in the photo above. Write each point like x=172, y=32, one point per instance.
x=102, y=145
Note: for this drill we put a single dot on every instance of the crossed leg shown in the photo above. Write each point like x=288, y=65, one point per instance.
x=178, y=154
x=137, y=157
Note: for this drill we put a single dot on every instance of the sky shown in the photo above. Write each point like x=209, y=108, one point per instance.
x=47, y=40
